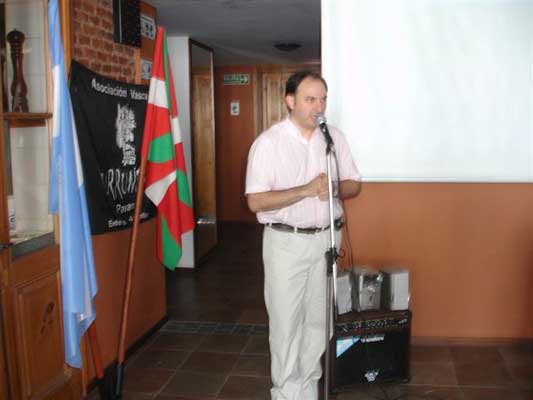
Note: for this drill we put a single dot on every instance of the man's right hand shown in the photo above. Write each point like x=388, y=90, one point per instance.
x=319, y=187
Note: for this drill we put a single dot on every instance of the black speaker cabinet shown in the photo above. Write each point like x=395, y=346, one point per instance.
x=127, y=22
x=370, y=346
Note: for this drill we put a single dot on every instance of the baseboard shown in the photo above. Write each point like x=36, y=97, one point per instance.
x=469, y=341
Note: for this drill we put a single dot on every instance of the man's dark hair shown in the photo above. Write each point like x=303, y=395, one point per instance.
x=295, y=79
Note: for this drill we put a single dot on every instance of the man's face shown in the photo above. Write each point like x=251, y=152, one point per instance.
x=308, y=101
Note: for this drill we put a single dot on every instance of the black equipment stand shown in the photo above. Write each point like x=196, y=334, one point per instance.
x=331, y=263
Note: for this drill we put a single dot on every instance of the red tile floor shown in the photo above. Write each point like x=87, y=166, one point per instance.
x=215, y=344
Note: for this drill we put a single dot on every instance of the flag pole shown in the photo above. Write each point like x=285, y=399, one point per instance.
x=105, y=387
x=167, y=185
x=128, y=283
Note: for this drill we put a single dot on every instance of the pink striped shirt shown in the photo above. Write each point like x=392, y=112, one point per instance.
x=281, y=158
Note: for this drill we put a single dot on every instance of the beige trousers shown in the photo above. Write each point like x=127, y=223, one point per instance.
x=295, y=297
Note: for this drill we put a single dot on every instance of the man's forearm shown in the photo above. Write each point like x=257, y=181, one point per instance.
x=276, y=199
x=349, y=188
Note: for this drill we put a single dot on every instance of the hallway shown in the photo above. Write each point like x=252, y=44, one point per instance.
x=215, y=344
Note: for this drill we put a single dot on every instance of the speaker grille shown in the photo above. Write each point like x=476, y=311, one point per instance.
x=370, y=346
x=127, y=22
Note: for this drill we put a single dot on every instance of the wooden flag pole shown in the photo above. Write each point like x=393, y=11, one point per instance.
x=128, y=283
x=105, y=387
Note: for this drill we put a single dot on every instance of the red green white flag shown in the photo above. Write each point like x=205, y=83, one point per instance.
x=166, y=177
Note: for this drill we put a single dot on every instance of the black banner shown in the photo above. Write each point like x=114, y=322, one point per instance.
x=109, y=119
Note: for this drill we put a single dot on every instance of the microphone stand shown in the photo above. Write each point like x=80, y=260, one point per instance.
x=331, y=263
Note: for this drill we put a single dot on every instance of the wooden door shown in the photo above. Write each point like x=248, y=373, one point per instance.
x=273, y=97
x=203, y=138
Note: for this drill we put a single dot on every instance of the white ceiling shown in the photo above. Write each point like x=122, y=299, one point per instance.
x=244, y=31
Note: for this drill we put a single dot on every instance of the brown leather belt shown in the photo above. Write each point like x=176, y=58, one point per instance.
x=339, y=223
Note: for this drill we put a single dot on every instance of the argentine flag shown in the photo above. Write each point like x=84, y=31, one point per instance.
x=67, y=197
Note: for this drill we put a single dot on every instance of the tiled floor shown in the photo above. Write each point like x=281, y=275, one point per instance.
x=215, y=345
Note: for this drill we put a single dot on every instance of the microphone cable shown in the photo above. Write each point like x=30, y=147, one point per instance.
x=346, y=231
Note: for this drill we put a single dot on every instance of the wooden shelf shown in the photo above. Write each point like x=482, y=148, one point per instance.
x=26, y=119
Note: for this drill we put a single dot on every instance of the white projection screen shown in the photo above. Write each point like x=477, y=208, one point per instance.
x=432, y=90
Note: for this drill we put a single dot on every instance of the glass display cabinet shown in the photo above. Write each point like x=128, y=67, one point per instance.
x=26, y=125
x=32, y=355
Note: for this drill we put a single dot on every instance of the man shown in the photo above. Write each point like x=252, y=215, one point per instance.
x=287, y=187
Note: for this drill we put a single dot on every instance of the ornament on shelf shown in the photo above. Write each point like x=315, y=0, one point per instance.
x=19, y=90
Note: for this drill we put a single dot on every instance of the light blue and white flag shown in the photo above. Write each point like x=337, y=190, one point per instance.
x=67, y=196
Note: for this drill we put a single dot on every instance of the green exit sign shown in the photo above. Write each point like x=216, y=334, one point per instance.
x=237, y=79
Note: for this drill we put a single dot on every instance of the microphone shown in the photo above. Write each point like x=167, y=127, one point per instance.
x=320, y=120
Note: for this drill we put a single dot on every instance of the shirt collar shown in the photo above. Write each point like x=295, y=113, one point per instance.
x=295, y=131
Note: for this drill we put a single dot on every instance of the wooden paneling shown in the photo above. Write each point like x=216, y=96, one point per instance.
x=34, y=332
x=274, y=108
x=469, y=249
x=270, y=101
x=65, y=11
x=203, y=137
x=40, y=333
x=36, y=264
x=204, y=156
x=3, y=362
x=9, y=332
x=148, y=301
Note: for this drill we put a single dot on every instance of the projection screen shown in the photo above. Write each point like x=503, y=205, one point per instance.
x=432, y=90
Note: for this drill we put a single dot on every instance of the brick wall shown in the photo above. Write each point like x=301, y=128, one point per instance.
x=93, y=44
